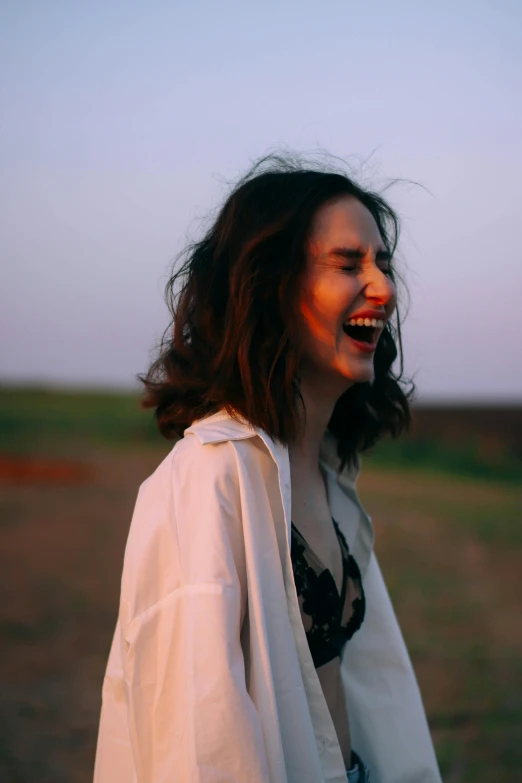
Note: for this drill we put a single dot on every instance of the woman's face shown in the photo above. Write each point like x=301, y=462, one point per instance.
x=347, y=273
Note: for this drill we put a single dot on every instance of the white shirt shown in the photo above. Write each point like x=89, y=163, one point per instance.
x=210, y=678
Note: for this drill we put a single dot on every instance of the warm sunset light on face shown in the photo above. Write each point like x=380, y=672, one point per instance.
x=348, y=273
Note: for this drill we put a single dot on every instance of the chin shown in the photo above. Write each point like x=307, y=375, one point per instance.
x=362, y=377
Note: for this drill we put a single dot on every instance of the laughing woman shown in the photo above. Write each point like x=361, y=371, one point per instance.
x=256, y=641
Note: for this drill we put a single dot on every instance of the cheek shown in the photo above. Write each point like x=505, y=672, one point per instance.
x=326, y=299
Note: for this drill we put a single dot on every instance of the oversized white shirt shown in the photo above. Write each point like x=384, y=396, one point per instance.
x=210, y=678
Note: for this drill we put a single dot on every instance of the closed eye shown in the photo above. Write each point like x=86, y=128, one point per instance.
x=387, y=271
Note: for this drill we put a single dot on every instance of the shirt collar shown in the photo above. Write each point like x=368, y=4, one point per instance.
x=220, y=426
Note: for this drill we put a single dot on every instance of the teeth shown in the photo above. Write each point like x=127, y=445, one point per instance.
x=366, y=322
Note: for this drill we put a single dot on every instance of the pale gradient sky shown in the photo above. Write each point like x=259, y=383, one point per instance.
x=121, y=121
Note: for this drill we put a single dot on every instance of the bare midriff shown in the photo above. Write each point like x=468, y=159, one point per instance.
x=330, y=679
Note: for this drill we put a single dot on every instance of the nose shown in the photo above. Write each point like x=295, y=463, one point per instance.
x=379, y=287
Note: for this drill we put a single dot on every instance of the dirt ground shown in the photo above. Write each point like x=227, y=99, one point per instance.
x=449, y=549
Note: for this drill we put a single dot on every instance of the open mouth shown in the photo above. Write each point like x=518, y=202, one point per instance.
x=365, y=334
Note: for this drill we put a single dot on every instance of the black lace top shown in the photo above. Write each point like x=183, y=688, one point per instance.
x=329, y=619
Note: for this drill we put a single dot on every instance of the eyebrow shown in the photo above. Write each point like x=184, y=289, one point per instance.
x=357, y=253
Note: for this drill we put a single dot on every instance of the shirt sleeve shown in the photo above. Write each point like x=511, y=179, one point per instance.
x=190, y=715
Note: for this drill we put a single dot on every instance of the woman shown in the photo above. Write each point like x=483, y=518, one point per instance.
x=256, y=642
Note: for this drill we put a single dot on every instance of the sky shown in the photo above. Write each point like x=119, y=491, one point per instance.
x=124, y=125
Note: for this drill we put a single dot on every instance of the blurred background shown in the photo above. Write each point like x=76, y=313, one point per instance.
x=123, y=127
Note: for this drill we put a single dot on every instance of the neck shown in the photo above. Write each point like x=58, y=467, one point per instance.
x=304, y=452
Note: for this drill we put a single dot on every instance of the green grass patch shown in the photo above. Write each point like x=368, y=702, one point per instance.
x=435, y=455
x=32, y=420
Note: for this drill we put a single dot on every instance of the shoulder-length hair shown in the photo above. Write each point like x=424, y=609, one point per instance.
x=230, y=342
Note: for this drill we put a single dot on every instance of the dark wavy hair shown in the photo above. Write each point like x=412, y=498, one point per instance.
x=231, y=342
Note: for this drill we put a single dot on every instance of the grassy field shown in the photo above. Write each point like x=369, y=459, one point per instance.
x=448, y=537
